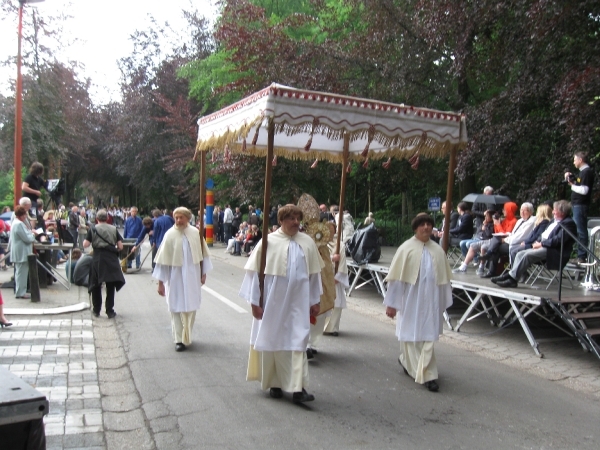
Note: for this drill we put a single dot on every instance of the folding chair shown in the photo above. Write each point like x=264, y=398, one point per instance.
x=455, y=256
x=540, y=271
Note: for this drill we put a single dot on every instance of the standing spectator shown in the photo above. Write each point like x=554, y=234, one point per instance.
x=221, y=226
x=236, y=221
x=133, y=228
x=418, y=293
x=281, y=326
x=33, y=184
x=106, y=268
x=215, y=219
x=273, y=216
x=21, y=240
x=437, y=235
x=83, y=228
x=3, y=320
x=227, y=220
x=182, y=262
x=162, y=224
x=74, y=224
x=332, y=324
x=479, y=209
x=369, y=219
x=581, y=195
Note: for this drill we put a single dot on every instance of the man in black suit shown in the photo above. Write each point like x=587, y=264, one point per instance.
x=547, y=249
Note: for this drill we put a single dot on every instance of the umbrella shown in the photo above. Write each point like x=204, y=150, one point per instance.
x=6, y=216
x=487, y=199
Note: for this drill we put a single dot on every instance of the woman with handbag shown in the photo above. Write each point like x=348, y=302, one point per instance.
x=106, y=268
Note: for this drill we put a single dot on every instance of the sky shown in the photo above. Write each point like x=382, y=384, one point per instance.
x=102, y=29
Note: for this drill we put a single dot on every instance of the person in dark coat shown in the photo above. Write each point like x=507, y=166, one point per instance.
x=106, y=268
x=464, y=227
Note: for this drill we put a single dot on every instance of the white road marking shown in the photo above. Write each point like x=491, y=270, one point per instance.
x=224, y=300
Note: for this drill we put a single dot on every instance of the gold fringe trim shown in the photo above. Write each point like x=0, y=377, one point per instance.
x=398, y=147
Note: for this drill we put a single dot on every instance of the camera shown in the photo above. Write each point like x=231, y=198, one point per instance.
x=497, y=215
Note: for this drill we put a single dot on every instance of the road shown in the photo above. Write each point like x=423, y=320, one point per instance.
x=200, y=399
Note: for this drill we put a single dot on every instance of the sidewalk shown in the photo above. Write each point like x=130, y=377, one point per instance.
x=80, y=364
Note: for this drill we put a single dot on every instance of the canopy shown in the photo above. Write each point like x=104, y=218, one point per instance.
x=311, y=125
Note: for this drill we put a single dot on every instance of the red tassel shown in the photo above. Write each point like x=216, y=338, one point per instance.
x=314, y=165
x=349, y=167
x=274, y=162
x=415, y=164
x=214, y=156
x=365, y=152
x=366, y=163
x=308, y=144
x=244, y=145
x=386, y=165
x=255, y=138
x=413, y=158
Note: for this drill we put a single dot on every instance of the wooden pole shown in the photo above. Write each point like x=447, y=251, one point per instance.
x=449, y=207
x=266, y=207
x=345, y=154
x=202, y=192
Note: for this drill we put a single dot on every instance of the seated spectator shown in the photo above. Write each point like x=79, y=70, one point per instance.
x=500, y=245
x=81, y=274
x=436, y=235
x=543, y=218
x=240, y=239
x=507, y=224
x=253, y=237
x=70, y=266
x=475, y=245
x=464, y=227
x=547, y=249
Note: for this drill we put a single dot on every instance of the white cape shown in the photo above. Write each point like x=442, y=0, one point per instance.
x=183, y=285
x=420, y=306
x=285, y=325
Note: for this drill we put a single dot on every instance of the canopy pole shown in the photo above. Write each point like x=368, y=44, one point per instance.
x=451, y=168
x=266, y=207
x=202, y=193
x=345, y=153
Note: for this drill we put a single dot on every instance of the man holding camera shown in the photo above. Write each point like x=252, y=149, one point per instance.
x=581, y=195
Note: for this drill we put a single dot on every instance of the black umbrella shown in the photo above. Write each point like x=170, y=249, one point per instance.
x=487, y=199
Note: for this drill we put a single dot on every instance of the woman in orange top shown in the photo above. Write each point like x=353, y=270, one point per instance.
x=506, y=225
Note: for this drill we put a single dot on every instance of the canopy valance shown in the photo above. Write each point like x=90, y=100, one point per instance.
x=311, y=125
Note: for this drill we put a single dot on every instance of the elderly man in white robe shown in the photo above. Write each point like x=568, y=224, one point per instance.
x=182, y=262
x=419, y=292
x=291, y=293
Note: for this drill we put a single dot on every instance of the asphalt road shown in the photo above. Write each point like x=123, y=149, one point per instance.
x=199, y=399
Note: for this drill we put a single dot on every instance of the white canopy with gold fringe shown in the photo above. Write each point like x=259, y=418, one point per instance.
x=299, y=124
x=311, y=125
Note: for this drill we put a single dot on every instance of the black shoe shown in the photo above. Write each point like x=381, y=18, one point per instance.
x=314, y=350
x=96, y=314
x=403, y=368
x=432, y=385
x=275, y=392
x=5, y=324
x=509, y=283
x=334, y=333
x=111, y=314
x=179, y=347
x=309, y=353
x=301, y=397
x=487, y=274
x=502, y=277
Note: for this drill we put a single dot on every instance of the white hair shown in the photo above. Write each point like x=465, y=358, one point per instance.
x=24, y=201
x=488, y=190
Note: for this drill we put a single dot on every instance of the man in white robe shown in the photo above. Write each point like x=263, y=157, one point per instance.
x=419, y=292
x=280, y=328
x=182, y=262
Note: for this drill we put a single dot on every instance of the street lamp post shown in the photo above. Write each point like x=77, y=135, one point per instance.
x=19, y=106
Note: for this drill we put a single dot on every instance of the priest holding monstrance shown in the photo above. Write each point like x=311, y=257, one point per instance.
x=281, y=324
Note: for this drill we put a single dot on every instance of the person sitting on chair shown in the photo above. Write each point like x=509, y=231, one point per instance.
x=547, y=249
x=464, y=227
